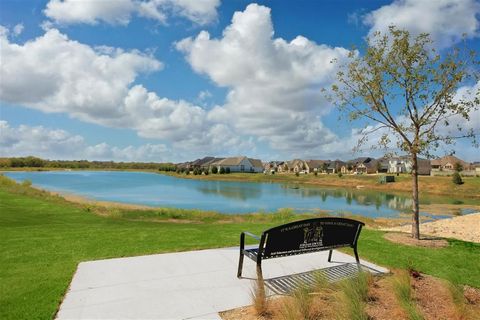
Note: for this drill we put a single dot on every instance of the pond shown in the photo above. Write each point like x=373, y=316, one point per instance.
x=222, y=196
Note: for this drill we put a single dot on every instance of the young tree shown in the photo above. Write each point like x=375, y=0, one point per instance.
x=406, y=92
x=458, y=167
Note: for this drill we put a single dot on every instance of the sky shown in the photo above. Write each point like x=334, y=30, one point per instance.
x=176, y=80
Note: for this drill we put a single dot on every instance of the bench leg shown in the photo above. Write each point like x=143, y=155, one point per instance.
x=356, y=255
x=330, y=256
x=240, y=264
x=259, y=273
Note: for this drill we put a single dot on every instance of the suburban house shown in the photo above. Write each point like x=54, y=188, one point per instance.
x=273, y=166
x=364, y=165
x=316, y=165
x=448, y=163
x=283, y=167
x=335, y=166
x=239, y=164
x=297, y=165
x=203, y=163
x=403, y=164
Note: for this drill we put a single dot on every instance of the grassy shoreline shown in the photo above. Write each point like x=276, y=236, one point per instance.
x=43, y=237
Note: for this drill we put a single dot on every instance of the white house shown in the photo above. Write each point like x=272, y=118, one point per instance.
x=240, y=164
x=404, y=165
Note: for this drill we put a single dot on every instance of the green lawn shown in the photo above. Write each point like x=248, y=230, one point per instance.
x=42, y=239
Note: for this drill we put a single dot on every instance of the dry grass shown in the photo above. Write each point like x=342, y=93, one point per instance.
x=353, y=297
x=403, y=291
x=404, y=295
x=259, y=296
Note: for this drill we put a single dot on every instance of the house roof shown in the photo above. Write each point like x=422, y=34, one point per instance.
x=201, y=161
x=212, y=161
x=335, y=164
x=448, y=159
x=256, y=162
x=363, y=160
x=231, y=161
x=316, y=163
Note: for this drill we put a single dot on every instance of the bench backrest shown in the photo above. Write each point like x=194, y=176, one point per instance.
x=309, y=236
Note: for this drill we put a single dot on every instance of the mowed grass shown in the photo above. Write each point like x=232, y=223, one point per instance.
x=43, y=238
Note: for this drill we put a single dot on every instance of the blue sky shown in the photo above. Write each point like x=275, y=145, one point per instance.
x=166, y=80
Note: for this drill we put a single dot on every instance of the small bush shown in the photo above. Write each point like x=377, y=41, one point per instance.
x=297, y=174
x=340, y=174
x=456, y=178
x=214, y=170
x=227, y=170
x=222, y=170
x=315, y=173
x=26, y=183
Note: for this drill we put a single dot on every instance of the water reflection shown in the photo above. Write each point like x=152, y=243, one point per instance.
x=230, y=191
x=358, y=197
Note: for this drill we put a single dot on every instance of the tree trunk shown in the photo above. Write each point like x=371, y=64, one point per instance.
x=415, y=207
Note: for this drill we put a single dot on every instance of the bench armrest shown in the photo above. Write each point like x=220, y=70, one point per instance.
x=251, y=235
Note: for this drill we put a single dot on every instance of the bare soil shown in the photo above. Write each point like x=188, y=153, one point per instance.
x=466, y=228
x=405, y=238
x=431, y=296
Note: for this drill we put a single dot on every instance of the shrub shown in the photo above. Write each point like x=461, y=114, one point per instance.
x=227, y=170
x=26, y=183
x=222, y=170
x=297, y=174
x=214, y=170
x=205, y=172
x=315, y=173
x=340, y=174
x=187, y=172
x=456, y=178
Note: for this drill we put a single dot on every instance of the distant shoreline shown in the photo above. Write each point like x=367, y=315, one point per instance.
x=440, y=186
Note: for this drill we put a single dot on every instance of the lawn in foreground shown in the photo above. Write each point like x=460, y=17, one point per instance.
x=43, y=240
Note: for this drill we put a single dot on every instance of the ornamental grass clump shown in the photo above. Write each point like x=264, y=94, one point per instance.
x=353, y=297
x=403, y=291
x=259, y=296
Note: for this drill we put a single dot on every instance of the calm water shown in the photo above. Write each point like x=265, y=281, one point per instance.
x=225, y=197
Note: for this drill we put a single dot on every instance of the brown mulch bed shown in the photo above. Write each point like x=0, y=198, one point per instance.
x=406, y=239
x=431, y=295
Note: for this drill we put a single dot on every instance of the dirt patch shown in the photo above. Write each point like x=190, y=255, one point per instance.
x=406, y=239
x=466, y=228
x=431, y=297
x=383, y=303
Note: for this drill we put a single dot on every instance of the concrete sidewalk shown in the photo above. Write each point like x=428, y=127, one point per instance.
x=184, y=285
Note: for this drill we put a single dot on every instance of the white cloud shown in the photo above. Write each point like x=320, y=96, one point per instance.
x=120, y=11
x=18, y=29
x=59, y=144
x=274, y=85
x=55, y=74
x=445, y=20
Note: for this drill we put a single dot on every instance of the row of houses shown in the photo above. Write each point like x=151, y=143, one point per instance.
x=233, y=164
x=362, y=165
x=371, y=165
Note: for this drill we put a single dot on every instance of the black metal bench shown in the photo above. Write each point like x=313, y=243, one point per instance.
x=299, y=237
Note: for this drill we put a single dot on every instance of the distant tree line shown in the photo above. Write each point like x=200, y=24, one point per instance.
x=34, y=162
